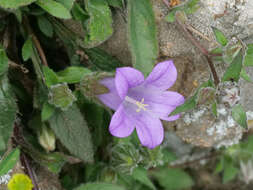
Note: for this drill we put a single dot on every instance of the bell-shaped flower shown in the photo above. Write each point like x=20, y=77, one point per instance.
x=141, y=103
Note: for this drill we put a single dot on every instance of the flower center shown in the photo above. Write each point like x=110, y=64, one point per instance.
x=139, y=104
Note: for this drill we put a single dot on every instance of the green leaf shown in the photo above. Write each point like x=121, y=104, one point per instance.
x=140, y=174
x=188, y=105
x=99, y=26
x=101, y=60
x=99, y=186
x=54, y=8
x=245, y=76
x=27, y=49
x=142, y=35
x=220, y=37
x=231, y=51
x=115, y=3
x=50, y=76
x=79, y=13
x=220, y=165
x=239, y=115
x=171, y=16
x=173, y=178
x=45, y=26
x=72, y=130
x=248, y=60
x=3, y=61
x=61, y=96
x=47, y=111
x=230, y=171
x=214, y=109
x=14, y=4
x=191, y=6
x=72, y=74
x=67, y=3
x=234, y=70
x=8, y=110
x=9, y=162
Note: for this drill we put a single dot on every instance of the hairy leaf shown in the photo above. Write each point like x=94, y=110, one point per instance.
x=14, y=4
x=50, y=76
x=72, y=74
x=9, y=162
x=142, y=35
x=248, y=61
x=72, y=130
x=8, y=109
x=140, y=174
x=45, y=26
x=99, y=26
x=239, y=115
x=54, y=8
x=220, y=37
x=47, y=111
x=27, y=49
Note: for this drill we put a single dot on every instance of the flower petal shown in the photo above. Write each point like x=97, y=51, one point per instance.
x=163, y=76
x=111, y=99
x=121, y=125
x=127, y=77
x=150, y=130
x=160, y=103
x=171, y=118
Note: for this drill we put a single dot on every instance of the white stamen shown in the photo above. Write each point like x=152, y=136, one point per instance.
x=140, y=104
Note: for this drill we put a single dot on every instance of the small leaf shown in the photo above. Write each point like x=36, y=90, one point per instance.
x=231, y=51
x=239, y=115
x=234, y=70
x=61, y=96
x=50, y=76
x=140, y=174
x=248, y=61
x=115, y=3
x=220, y=165
x=8, y=110
x=79, y=13
x=67, y=3
x=173, y=178
x=191, y=6
x=245, y=76
x=101, y=60
x=214, y=109
x=99, y=186
x=220, y=37
x=14, y=4
x=206, y=95
x=3, y=61
x=230, y=171
x=45, y=26
x=99, y=26
x=72, y=74
x=9, y=162
x=54, y=8
x=188, y=105
x=27, y=49
x=47, y=111
x=72, y=130
x=171, y=16
x=142, y=35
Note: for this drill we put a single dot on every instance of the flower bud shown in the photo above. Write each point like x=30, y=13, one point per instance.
x=47, y=138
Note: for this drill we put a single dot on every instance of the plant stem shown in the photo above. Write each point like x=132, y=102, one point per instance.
x=35, y=41
x=208, y=56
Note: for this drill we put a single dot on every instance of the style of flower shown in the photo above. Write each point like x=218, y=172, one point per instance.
x=141, y=103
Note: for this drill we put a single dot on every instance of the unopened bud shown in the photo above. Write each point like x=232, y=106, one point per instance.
x=47, y=138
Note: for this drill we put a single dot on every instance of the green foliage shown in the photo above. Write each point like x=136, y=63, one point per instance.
x=140, y=174
x=99, y=186
x=54, y=8
x=173, y=178
x=142, y=35
x=72, y=74
x=67, y=3
x=9, y=161
x=47, y=111
x=61, y=96
x=239, y=115
x=72, y=130
x=230, y=171
x=27, y=49
x=234, y=70
x=245, y=76
x=231, y=51
x=100, y=60
x=14, y=4
x=116, y=3
x=50, y=76
x=45, y=26
x=8, y=110
x=248, y=60
x=3, y=61
x=99, y=26
x=220, y=37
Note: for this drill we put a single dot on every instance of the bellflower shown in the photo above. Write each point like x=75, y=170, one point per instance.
x=141, y=103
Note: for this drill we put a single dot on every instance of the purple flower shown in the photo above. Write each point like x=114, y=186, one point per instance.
x=141, y=103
